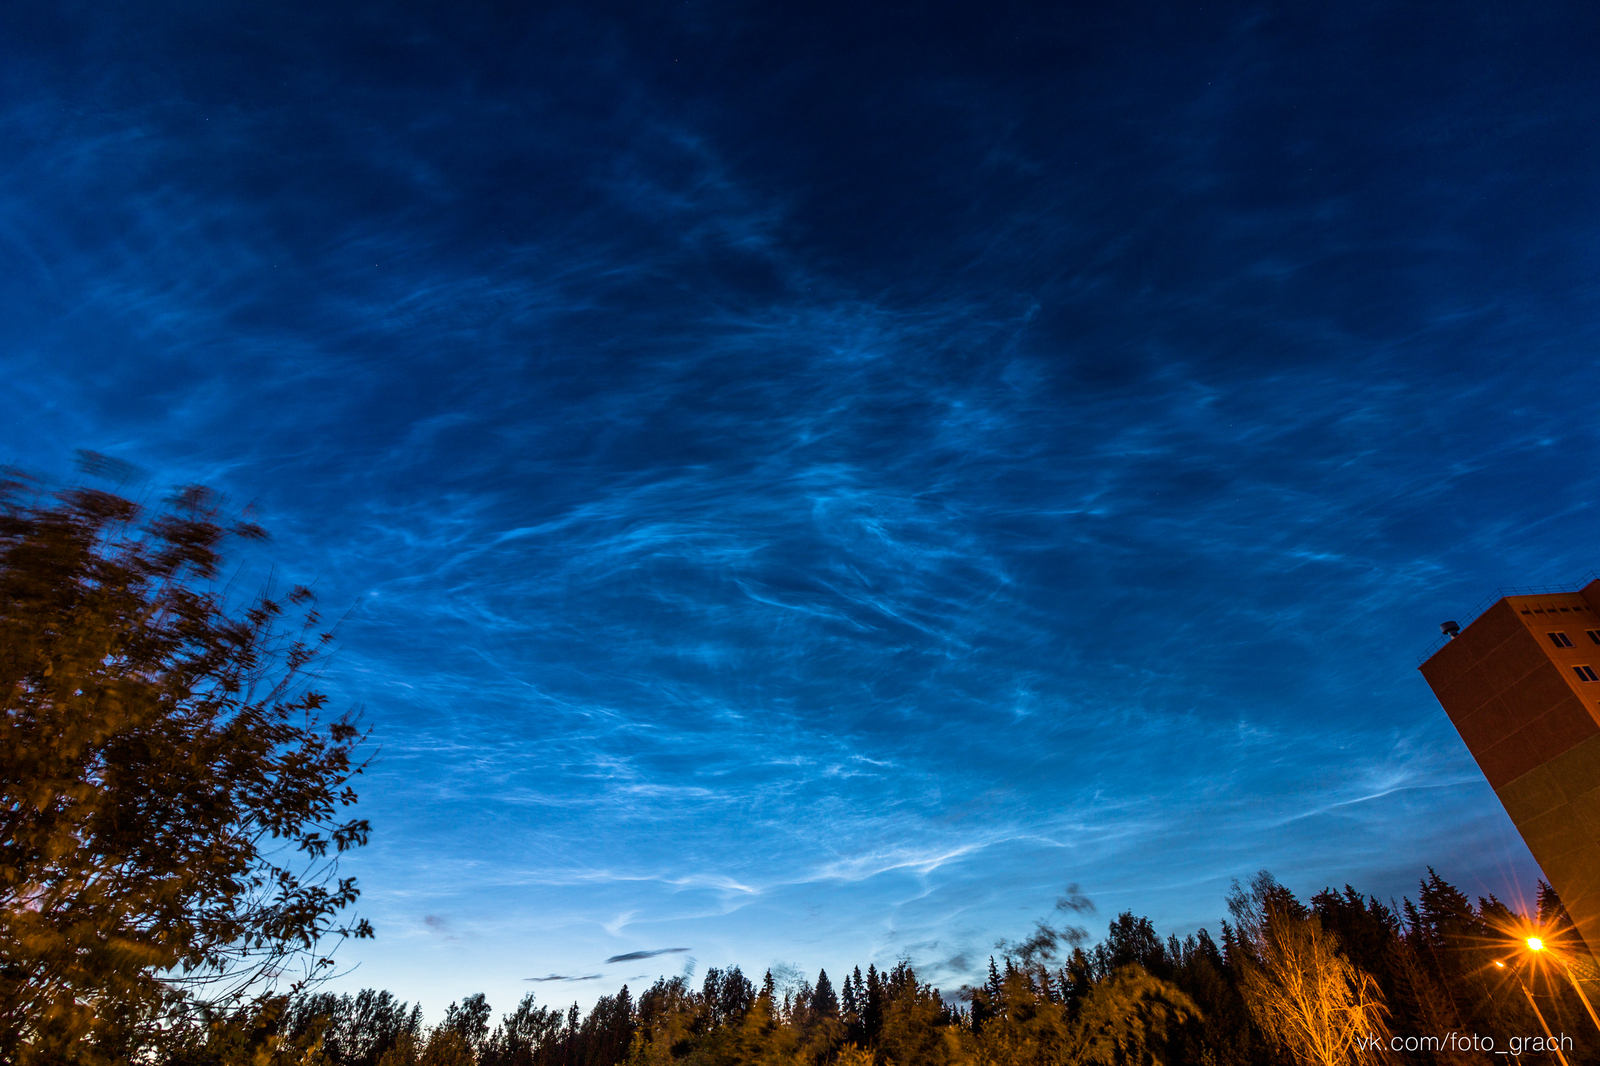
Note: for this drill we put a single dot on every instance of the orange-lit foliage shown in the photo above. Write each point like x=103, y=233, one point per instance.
x=168, y=801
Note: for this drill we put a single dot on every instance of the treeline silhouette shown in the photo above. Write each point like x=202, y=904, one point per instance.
x=1285, y=982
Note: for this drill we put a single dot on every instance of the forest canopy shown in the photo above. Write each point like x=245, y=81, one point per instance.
x=1339, y=978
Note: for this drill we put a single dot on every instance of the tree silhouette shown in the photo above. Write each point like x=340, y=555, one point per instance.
x=469, y=1020
x=169, y=799
x=823, y=999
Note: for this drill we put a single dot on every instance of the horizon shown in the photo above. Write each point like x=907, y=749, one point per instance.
x=804, y=487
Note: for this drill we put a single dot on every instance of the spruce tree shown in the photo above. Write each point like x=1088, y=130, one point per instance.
x=823, y=999
x=872, y=1017
x=855, y=1007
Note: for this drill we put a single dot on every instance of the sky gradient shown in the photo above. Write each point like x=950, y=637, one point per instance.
x=808, y=482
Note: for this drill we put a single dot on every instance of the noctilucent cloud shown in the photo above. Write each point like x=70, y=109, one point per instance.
x=810, y=481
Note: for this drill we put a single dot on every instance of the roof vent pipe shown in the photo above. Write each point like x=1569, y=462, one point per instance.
x=1450, y=629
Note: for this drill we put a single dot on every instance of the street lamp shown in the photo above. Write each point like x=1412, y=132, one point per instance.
x=1536, y=945
x=1537, y=1013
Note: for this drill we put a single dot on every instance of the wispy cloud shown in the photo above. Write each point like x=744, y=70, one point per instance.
x=632, y=956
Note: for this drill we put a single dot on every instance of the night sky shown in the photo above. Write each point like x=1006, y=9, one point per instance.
x=808, y=482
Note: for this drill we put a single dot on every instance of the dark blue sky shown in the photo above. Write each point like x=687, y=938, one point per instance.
x=811, y=480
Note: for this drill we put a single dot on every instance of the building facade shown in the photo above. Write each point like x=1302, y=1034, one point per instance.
x=1522, y=685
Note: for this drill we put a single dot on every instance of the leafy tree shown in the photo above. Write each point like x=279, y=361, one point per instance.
x=370, y=1025
x=727, y=994
x=169, y=800
x=1223, y=1031
x=607, y=1033
x=762, y=1039
x=915, y=1022
x=1132, y=941
x=854, y=1055
x=256, y=1036
x=666, y=1023
x=407, y=1050
x=447, y=1047
x=1128, y=1018
x=528, y=1035
x=1100, y=1007
x=469, y=1020
x=355, y=1030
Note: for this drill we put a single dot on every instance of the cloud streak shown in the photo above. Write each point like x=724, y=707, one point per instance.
x=632, y=956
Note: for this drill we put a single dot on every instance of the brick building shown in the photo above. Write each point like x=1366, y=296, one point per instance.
x=1522, y=685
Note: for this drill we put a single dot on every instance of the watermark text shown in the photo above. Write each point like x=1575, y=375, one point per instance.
x=1514, y=1045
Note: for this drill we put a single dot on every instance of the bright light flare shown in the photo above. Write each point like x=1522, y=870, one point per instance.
x=1535, y=944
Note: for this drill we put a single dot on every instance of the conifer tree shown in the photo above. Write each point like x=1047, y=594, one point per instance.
x=872, y=1016
x=823, y=999
x=855, y=1008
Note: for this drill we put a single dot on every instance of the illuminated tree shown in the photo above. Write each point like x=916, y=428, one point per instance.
x=1032, y=1017
x=169, y=799
x=1301, y=991
x=446, y=1047
x=914, y=1017
x=1127, y=1017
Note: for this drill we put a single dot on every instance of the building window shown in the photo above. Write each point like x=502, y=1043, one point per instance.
x=1586, y=673
x=1594, y=635
x=1560, y=640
